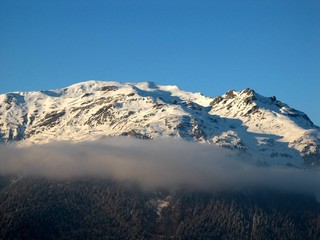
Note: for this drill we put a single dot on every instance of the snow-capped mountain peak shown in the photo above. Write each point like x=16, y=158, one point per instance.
x=257, y=126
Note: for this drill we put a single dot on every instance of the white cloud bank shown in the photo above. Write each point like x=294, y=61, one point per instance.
x=159, y=163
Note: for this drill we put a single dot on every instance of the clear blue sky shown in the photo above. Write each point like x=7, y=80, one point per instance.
x=272, y=46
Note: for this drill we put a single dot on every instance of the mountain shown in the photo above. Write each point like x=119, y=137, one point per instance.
x=261, y=128
x=101, y=206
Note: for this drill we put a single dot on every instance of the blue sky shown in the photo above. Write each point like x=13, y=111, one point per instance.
x=202, y=46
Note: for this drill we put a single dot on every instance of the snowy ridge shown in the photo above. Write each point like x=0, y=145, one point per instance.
x=259, y=127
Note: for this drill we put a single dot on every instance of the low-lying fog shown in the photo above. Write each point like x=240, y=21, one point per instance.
x=159, y=163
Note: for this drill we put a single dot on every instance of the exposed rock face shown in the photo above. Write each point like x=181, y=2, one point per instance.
x=260, y=127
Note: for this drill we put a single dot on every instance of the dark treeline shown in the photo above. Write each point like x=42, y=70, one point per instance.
x=39, y=208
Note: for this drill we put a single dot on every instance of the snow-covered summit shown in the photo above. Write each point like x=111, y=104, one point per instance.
x=259, y=127
x=248, y=102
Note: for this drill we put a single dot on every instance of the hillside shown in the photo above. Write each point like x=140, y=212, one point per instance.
x=37, y=208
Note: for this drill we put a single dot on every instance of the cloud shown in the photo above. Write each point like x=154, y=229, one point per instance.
x=162, y=163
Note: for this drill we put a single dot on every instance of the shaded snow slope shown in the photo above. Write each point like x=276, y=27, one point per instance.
x=256, y=126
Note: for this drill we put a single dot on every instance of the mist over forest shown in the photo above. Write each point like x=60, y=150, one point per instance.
x=166, y=163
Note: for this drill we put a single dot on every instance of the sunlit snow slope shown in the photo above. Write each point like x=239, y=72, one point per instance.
x=258, y=127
